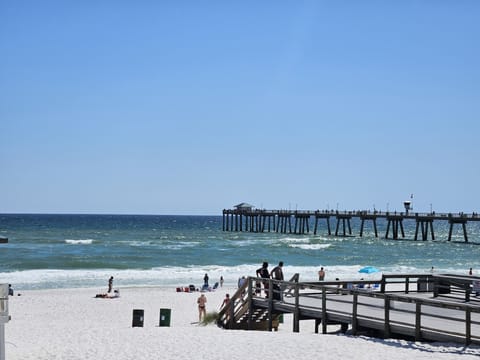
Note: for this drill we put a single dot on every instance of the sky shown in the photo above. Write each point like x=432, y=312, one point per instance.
x=191, y=107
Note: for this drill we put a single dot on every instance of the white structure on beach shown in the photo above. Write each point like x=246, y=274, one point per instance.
x=4, y=317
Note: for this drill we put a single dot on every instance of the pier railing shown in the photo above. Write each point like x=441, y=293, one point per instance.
x=379, y=213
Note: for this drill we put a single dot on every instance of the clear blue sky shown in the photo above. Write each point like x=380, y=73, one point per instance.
x=189, y=107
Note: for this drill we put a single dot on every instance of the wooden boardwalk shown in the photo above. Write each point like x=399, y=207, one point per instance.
x=300, y=222
x=417, y=307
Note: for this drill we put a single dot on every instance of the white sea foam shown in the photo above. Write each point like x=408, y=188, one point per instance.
x=250, y=242
x=170, y=245
x=79, y=242
x=183, y=276
x=310, y=246
x=295, y=239
x=181, y=245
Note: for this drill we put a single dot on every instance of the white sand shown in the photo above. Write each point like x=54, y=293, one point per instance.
x=72, y=324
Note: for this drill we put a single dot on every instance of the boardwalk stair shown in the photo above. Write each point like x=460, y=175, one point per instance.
x=240, y=314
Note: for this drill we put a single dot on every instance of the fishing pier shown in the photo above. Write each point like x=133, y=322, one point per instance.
x=247, y=219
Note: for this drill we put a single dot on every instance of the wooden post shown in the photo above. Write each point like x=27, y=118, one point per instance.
x=354, y=314
x=250, y=304
x=388, y=228
x=450, y=231
x=296, y=311
x=361, y=227
x=418, y=322
x=386, y=325
x=464, y=225
x=324, y=310
x=416, y=230
x=231, y=311
x=270, y=304
x=468, y=326
x=383, y=284
x=316, y=226
x=375, y=226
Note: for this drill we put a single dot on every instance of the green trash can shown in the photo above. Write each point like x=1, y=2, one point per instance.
x=165, y=315
x=137, y=318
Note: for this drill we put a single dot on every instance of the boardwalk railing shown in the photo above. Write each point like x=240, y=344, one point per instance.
x=411, y=312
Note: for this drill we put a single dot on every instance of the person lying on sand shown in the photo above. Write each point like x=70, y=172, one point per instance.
x=116, y=294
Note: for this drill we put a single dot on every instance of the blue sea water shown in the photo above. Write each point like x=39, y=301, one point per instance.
x=60, y=251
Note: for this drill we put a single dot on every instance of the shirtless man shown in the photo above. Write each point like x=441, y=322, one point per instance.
x=202, y=310
x=277, y=272
x=321, y=274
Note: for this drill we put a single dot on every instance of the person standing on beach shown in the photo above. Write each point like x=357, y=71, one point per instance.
x=226, y=300
x=263, y=273
x=225, y=303
x=470, y=272
x=205, y=280
x=221, y=281
x=202, y=308
x=277, y=274
x=110, y=284
x=321, y=274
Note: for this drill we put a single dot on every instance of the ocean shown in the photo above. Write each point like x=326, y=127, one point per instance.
x=68, y=251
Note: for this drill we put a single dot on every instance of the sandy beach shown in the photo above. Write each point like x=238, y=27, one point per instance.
x=73, y=324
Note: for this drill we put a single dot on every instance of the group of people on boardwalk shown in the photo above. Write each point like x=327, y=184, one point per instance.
x=276, y=274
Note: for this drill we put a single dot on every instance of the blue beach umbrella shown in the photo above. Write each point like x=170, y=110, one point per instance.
x=368, y=270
